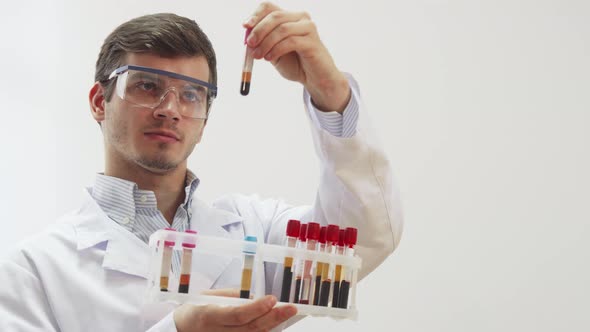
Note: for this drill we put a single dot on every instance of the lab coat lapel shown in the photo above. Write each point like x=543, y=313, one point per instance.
x=209, y=221
x=124, y=252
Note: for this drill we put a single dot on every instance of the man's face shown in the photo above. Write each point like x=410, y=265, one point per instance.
x=160, y=139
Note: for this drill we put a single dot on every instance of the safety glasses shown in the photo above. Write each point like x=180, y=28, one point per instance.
x=148, y=87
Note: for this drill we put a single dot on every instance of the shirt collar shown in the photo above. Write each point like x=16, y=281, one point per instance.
x=120, y=198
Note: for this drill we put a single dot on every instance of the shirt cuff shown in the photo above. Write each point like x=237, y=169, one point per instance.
x=339, y=125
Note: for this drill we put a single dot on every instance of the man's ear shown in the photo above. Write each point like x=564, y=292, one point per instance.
x=97, y=102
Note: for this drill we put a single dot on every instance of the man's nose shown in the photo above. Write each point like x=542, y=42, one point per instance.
x=169, y=106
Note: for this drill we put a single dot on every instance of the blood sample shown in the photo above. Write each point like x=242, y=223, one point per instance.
x=313, y=235
x=301, y=244
x=166, y=261
x=338, y=271
x=293, y=228
x=319, y=266
x=328, y=269
x=185, y=266
x=247, y=270
x=247, y=68
x=350, y=241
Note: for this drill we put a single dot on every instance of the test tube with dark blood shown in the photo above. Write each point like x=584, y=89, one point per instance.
x=313, y=235
x=247, y=68
x=249, y=253
x=185, y=267
x=350, y=241
x=301, y=244
x=293, y=228
x=166, y=261
x=319, y=266
x=338, y=271
x=328, y=268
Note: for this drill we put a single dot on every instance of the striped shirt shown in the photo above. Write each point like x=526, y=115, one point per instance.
x=136, y=210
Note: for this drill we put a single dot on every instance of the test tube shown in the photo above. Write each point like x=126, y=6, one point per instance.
x=166, y=261
x=350, y=241
x=313, y=235
x=247, y=68
x=187, y=257
x=249, y=253
x=293, y=227
x=338, y=271
x=319, y=266
x=301, y=244
x=328, y=269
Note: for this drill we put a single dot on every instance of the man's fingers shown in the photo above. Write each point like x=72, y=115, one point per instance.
x=272, y=319
x=283, y=32
x=261, y=11
x=275, y=23
x=246, y=313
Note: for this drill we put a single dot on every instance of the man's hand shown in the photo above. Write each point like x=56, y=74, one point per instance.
x=256, y=316
x=290, y=41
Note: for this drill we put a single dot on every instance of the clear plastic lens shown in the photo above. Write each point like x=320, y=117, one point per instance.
x=150, y=90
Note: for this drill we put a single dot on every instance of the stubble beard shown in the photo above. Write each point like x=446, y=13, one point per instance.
x=159, y=163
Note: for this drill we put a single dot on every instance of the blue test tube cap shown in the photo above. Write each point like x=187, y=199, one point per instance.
x=250, y=249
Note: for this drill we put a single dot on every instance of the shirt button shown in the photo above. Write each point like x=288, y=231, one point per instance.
x=125, y=220
x=143, y=198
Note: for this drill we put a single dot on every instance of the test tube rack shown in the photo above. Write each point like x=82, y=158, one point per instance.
x=235, y=249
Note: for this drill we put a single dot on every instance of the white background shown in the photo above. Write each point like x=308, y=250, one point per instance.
x=483, y=107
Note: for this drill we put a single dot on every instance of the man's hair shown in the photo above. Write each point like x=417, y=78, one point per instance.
x=165, y=35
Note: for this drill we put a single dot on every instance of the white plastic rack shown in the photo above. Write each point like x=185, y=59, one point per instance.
x=235, y=249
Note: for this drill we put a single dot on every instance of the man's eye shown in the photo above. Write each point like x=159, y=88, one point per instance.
x=147, y=86
x=191, y=96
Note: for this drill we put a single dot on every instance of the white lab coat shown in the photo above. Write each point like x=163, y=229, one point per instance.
x=87, y=273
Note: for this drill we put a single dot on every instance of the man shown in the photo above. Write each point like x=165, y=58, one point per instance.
x=155, y=82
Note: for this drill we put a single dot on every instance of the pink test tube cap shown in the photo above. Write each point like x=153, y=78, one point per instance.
x=190, y=243
x=169, y=243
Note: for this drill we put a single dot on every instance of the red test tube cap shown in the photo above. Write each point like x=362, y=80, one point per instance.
x=333, y=231
x=190, y=243
x=350, y=237
x=341, y=237
x=293, y=228
x=313, y=231
x=303, y=233
x=323, y=234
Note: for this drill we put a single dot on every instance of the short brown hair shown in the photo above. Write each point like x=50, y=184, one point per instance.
x=165, y=35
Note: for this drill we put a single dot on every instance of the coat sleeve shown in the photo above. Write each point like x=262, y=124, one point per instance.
x=356, y=189
x=23, y=302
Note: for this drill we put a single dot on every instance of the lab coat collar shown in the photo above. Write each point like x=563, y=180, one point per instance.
x=126, y=253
